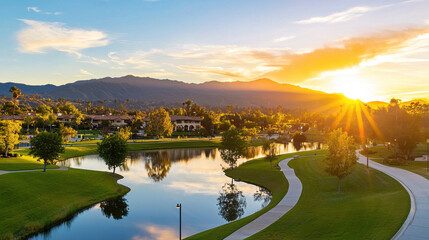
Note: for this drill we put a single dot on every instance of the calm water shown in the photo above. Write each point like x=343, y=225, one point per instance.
x=159, y=180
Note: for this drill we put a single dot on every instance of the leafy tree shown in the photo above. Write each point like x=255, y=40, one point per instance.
x=51, y=120
x=9, y=134
x=125, y=133
x=66, y=132
x=46, y=146
x=341, y=157
x=10, y=108
x=233, y=146
x=270, y=151
x=16, y=92
x=113, y=150
x=159, y=123
x=28, y=120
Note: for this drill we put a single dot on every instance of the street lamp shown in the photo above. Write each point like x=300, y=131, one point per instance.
x=367, y=153
x=179, y=206
x=427, y=156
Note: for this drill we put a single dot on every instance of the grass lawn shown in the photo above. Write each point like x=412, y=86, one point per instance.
x=33, y=200
x=417, y=167
x=21, y=163
x=371, y=206
x=257, y=172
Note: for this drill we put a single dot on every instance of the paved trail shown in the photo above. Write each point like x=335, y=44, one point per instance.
x=35, y=170
x=416, y=226
x=286, y=204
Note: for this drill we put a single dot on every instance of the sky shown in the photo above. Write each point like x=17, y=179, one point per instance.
x=372, y=50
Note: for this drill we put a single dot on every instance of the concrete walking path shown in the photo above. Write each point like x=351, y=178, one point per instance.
x=287, y=203
x=416, y=226
x=35, y=170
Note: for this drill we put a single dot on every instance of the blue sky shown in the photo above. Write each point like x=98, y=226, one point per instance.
x=195, y=41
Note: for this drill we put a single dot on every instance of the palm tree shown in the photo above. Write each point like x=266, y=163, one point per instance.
x=16, y=92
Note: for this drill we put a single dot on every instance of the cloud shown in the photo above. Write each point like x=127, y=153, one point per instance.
x=156, y=232
x=38, y=37
x=349, y=53
x=37, y=10
x=34, y=9
x=350, y=13
x=213, y=70
x=343, y=16
x=83, y=71
x=282, y=39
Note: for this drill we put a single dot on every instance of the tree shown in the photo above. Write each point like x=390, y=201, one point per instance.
x=341, y=157
x=51, y=120
x=159, y=123
x=16, y=92
x=46, y=146
x=9, y=135
x=125, y=133
x=28, y=120
x=270, y=151
x=233, y=146
x=66, y=132
x=113, y=150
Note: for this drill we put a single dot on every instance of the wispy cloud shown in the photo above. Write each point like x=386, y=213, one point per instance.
x=34, y=9
x=283, y=39
x=37, y=10
x=343, y=16
x=38, y=37
x=350, y=13
x=84, y=72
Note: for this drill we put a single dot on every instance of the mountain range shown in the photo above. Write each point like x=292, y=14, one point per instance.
x=156, y=92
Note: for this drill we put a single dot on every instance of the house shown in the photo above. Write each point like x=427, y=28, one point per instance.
x=115, y=121
x=182, y=123
x=65, y=118
x=186, y=123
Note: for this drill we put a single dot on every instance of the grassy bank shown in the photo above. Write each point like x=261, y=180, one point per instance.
x=33, y=200
x=372, y=206
x=418, y=167
x=257, y=172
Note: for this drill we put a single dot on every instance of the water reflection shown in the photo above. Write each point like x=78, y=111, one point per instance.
x=157, y=165
x=117, y=208
x=231, y=202
x=158, y=180
x=263, y=195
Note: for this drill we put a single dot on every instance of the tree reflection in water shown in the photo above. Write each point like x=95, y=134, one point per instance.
x=263, y=195
x=298, y=145
x=115, y=207
x=231, y=202
x=157, y=165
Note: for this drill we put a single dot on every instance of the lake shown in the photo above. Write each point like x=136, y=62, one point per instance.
x=159, y=179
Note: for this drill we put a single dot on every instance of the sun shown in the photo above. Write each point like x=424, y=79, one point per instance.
x=354, y=88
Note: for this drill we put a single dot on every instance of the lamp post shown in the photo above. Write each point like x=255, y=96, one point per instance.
x=367, y=155
x=179, y=206
x=427, y=156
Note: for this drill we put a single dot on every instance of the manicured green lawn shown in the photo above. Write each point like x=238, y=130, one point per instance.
x=371, y=206
x=257, y=172
x=33, y=200
x=21, y=163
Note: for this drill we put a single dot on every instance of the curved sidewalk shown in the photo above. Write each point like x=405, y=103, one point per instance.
x=286, y=204
x=416, y=226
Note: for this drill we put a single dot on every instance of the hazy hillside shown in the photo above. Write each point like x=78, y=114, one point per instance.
x=26, y=89
x=263, y=92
